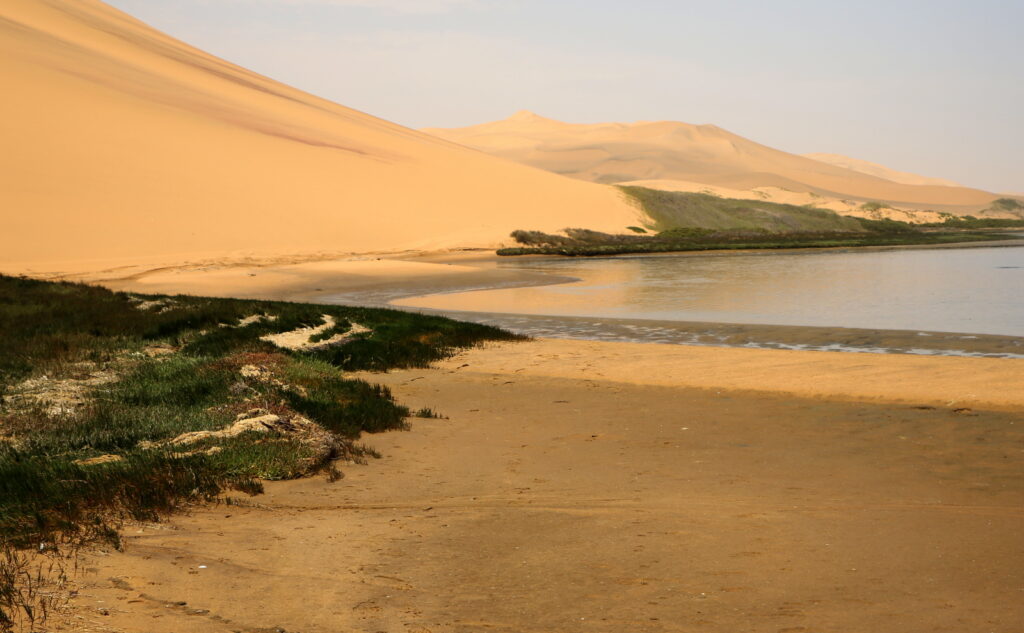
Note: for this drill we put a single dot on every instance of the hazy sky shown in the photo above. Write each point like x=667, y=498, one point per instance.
x=929, y=86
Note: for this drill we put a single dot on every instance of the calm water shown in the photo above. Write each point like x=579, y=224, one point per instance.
x=971, y=290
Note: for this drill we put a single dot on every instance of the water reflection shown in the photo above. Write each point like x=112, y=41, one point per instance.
x=979, y=290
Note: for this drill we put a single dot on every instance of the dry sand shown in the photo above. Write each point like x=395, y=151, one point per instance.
x=706, y=154
x=122, y=143
x=609, y=487
x=309, y=281
x=874, y=169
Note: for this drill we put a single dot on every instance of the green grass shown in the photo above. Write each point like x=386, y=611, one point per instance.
x=971, y=222
x=1007, y=204
x=700, y=222
x=57, y=333
x=739, y=241
x=672, y=209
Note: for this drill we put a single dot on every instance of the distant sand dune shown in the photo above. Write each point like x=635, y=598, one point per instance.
x=674, y=151
x=122, y=144
x=874, y=169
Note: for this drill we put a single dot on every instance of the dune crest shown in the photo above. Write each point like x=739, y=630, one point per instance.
x=123, y=143
x=707, y=154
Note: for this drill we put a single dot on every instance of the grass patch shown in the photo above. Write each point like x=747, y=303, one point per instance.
x=699, y=222
x=79, y=454
x=673, y=209
x=735, y=240
x=971, y=222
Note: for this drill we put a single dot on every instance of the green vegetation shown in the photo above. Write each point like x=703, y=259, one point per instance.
x=698, y=222
x=120, y=407
x=1007, y=204
x=671, y=209
x=971, y=222
x=726, y=240
x=874, y=206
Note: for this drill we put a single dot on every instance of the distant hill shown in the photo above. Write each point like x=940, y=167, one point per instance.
x=881, y=171
x=672, y=151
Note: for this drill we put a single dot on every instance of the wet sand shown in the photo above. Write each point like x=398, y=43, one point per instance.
x=586, y=486
x=369, y=280
x=749, y=335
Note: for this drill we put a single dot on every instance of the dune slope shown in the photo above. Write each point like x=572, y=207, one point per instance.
x=122, y=143
x=874, y=169
x=707, y=154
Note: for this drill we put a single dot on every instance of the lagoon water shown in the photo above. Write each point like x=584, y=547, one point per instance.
x=969, y=290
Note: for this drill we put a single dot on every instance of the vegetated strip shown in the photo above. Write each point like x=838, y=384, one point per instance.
x=117, y=406
x=700, y=222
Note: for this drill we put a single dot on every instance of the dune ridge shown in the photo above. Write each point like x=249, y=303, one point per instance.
x=125, y=144
x=674, y=151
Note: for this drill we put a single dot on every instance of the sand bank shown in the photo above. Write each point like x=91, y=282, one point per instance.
x=991, y=383
x=579, y=486
x=363, y=277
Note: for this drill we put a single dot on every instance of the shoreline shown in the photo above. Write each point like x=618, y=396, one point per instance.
x=387, y=281
x=127, y=271
x=805, y=338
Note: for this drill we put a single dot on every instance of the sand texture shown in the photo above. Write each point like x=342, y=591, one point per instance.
x=595, y=487
x=706, y=154
x=122, y=143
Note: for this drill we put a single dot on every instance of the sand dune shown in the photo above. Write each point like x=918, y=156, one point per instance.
x=122, y=144
x=881, y=171
x=706, y=154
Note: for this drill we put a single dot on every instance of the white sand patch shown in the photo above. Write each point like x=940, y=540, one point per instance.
x=299, y=339
x=324, y=444
x=256, y=318
x=160, y=305
x=264, y=423
x=59, y=396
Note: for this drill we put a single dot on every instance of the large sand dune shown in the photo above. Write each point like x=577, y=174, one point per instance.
x=123, y=144
x=707, y=154
x=881, y=171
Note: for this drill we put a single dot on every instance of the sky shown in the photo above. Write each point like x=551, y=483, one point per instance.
x=934, y=87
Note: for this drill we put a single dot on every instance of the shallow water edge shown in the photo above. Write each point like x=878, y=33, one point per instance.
x=671, y=332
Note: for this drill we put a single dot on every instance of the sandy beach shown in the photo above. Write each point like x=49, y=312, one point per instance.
x=607, y=475
x=583, y=485
x=578, y=486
